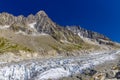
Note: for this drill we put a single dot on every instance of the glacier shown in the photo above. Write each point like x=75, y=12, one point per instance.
x=55, y=68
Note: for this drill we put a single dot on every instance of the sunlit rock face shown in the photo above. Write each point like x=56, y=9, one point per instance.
x=93, y=36
x=86, y=33
x=52, y=68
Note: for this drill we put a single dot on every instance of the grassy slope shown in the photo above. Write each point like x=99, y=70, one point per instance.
x=8, y=46
x=42, y=43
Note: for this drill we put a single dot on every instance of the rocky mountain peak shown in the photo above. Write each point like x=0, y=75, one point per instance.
x=6, y=18
x=5, y=14
x=9, y=19
x=31, y=18
x=42, y=13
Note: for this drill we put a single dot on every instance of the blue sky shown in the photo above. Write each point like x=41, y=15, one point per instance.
x=102, y=16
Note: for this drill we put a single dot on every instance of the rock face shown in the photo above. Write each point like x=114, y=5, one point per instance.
x=86, y=33
x=6, y=19
x=94, y=36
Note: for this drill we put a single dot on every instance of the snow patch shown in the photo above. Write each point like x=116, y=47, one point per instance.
x=39, y=34
x=88, y=40
x=35, y=33
x=32, y=25
x=4, y=27
x=21, y=32
x=43, y=34
x=64, y=41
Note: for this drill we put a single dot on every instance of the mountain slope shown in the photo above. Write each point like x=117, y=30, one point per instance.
x=93, y=37
x=40, y=37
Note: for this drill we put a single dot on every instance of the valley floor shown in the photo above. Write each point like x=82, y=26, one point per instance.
x=88, y=67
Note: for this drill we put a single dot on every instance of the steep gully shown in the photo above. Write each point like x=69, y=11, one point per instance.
x=53, y=68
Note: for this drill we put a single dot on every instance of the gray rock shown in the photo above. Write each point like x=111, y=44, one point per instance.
x=110, y=75
x=117, y=75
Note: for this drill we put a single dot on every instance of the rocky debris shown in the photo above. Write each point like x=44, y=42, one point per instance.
x=117, y=75
x=99, y=76
x=89, y=72
x=110, y=74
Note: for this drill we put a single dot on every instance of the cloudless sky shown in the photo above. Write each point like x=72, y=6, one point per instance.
x=102, y=16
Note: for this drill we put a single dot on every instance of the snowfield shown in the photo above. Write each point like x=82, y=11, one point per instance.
x=52, y=68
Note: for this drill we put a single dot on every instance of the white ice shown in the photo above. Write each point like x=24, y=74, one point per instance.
x=53, y=74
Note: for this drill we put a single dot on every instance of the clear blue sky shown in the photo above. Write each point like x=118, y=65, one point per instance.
x=99, y=15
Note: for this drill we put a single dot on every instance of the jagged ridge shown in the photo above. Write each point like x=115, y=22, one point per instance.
x=93, y=36
x=43, y=24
